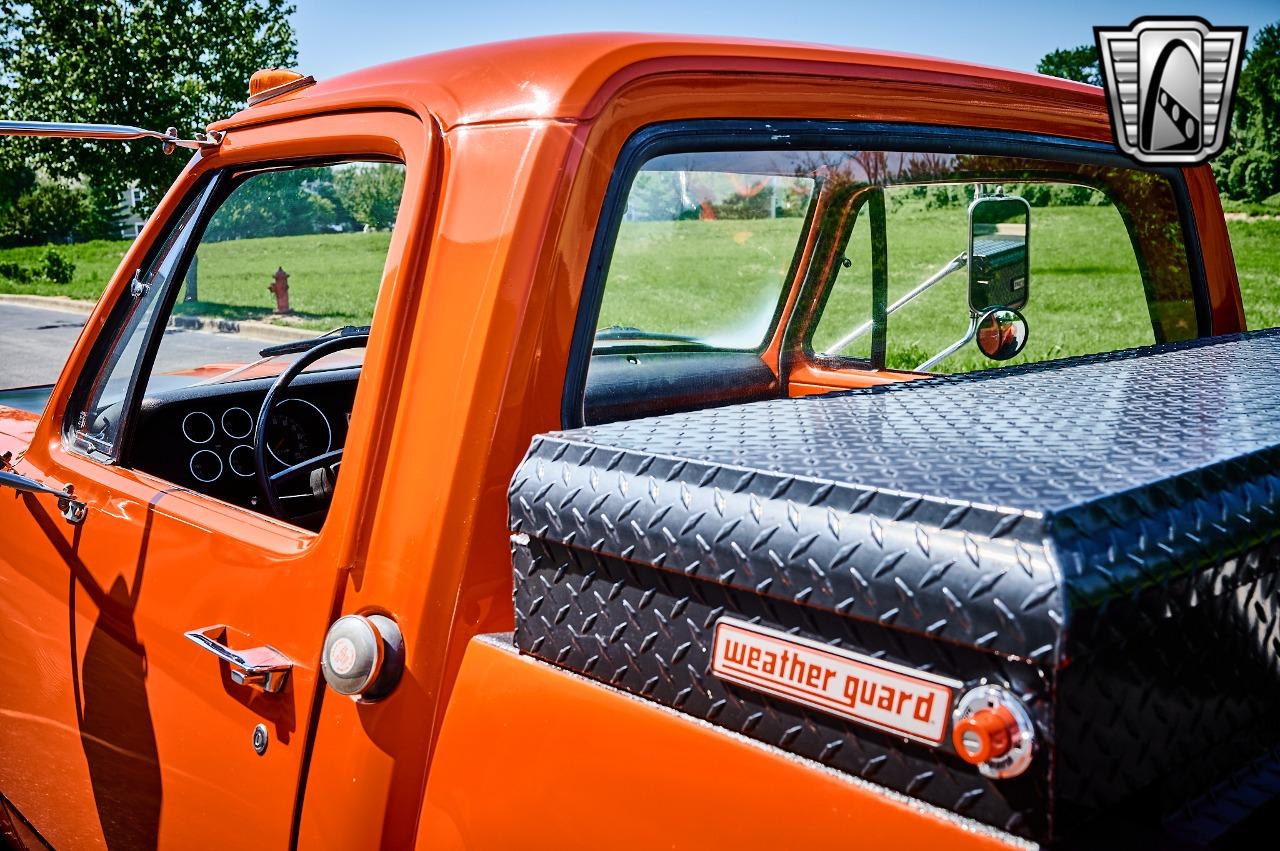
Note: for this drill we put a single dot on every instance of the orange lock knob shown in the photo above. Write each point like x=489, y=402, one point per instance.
x=985, y=735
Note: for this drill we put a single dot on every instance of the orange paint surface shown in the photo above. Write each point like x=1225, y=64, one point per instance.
x=602, y=769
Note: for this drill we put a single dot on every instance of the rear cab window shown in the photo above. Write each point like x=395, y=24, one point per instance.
x=697, y=278
x=703, y=252
x=725, y=270
x=1090, y=232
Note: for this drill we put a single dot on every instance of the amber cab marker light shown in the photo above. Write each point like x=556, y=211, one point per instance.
x=273, y=82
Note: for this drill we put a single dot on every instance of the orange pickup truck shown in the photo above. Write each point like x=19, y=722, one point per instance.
x=861, y=389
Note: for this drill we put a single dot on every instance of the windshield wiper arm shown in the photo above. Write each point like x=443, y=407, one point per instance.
x=295, y=346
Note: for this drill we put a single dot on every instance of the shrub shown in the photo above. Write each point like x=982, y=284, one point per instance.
x=57, y=269
x=16, y=273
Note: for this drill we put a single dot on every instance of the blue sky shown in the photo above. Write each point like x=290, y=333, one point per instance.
x=334, y=37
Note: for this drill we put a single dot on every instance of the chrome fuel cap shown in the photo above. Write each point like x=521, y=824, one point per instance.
x=363, y=656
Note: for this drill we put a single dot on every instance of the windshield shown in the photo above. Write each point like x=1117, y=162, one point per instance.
x=189, y=360
x=703, y=251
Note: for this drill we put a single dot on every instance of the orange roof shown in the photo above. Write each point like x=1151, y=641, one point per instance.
x=568, y=76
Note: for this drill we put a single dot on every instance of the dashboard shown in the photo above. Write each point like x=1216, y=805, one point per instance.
x=202, y=436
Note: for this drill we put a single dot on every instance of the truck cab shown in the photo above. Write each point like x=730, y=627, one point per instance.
x=592, y=230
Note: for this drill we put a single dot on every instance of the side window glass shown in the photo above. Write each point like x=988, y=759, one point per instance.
x=846, y=319
x=328, y=228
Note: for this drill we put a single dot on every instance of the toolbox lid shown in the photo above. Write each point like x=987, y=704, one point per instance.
x=1040, y=438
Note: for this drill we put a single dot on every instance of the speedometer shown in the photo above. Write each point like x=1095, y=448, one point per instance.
x=297, y=430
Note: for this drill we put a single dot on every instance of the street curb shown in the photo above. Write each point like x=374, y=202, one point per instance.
x=50, y=302
x=250, y=328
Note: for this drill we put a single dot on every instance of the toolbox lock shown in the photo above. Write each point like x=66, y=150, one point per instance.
x=992, y=730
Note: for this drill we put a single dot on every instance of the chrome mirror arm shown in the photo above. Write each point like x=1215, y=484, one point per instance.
x=954, y=266
x=953, y=348
x=72, y=509
x=117, y=132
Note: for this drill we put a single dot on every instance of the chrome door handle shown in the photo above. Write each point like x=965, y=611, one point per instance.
x=264, y=668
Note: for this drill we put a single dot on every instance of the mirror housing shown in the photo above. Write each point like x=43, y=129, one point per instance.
x=999, y=252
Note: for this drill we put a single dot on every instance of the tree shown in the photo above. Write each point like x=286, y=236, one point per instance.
x=1072, y=63
x=370, y=192
x=58, y=211
x=1250, y=167
x=147, y=63
x=655, y=196
x=15, y=179
x=278, y=203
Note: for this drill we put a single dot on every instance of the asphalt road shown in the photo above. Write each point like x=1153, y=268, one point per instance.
x=35, y=342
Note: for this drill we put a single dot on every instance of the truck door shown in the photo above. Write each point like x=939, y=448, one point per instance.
x=132, y=716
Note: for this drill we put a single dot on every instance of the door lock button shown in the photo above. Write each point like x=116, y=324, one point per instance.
x=363, y=656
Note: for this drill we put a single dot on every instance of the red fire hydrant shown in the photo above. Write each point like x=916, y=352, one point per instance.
x=280, y=289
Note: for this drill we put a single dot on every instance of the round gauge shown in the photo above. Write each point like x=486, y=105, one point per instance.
x=296, y=431
x=241, y=461
x=237, y=423
x=206, y=466
x=198, y=427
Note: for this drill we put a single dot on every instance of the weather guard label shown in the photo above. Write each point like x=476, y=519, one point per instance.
x=860, y=688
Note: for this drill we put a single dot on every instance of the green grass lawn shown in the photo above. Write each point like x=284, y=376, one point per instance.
x=95, y=263
x=1256, y=247
x=1085, y=290
x=333, y=278
x=722, y=278
x=719, y=280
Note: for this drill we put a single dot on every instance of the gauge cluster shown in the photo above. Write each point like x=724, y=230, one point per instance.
x=297, y=430
x=203, y=437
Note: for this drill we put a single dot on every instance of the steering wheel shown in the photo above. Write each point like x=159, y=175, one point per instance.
x=269, y=483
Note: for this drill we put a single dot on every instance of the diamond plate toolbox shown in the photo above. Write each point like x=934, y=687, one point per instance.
x=1096, y=536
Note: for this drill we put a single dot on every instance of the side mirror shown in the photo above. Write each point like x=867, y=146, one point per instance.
x=999, y=260
x=1001, y=333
